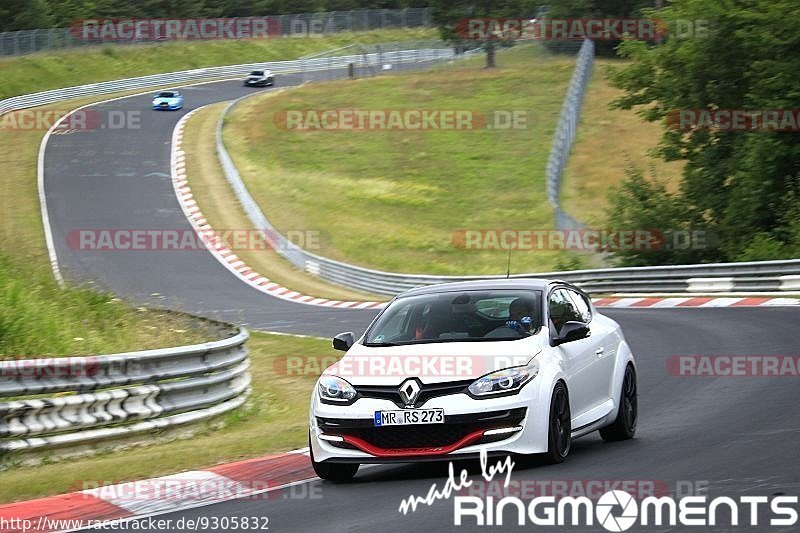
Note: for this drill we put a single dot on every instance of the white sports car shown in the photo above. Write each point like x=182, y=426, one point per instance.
x=516, y=366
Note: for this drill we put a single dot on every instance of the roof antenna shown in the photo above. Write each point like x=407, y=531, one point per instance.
x=508, y=264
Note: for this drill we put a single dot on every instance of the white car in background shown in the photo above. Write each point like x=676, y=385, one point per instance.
x=260, y=78
x=513, y=366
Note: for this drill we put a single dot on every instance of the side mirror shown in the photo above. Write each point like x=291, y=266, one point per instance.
x=571, y=331
x=343, y=341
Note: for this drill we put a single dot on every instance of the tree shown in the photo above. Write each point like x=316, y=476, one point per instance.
x=451, y=17
x=740, y=184
x=24, y=15
x=622, y=9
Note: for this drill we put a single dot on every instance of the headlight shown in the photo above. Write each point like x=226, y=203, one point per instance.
x=335, y=389
x=508, y=380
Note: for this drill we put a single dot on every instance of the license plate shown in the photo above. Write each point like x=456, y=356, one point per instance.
x=409, y=417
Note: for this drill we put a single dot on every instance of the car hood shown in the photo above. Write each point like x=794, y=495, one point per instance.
x=433, y=362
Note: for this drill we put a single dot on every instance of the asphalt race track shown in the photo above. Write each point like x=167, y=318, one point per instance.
x=740, y=435
x=119, y=179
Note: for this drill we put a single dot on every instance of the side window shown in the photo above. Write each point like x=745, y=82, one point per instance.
x=562, y=309
x=584, y=309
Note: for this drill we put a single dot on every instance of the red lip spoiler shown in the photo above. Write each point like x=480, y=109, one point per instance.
x=377, y=451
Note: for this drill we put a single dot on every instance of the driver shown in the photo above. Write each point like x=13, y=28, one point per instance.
x=519, y=315
x=519, y=320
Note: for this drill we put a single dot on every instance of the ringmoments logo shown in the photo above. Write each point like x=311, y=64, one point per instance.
x=618, y=510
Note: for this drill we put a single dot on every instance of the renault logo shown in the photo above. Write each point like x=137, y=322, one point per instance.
x=409, y=391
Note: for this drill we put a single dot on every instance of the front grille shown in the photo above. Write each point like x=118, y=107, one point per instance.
x=427, y=391
x=424, y=435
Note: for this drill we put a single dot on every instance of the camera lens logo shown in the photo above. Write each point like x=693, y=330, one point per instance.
x=610, y=500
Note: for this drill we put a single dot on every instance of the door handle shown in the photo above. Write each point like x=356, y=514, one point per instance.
x=599, y=352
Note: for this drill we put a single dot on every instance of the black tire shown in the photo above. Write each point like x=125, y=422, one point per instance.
x=624, y=427
x=334, y=472
x=271, y=82
x=559, y=439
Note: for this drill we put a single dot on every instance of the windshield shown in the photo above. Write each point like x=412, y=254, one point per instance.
x=257, y=73
x=487, y=315
x=166, y=95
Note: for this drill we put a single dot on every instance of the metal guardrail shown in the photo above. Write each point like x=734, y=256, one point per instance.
x=722, y=277
x=45, y=403
x=48, y=403
x=23, y=42
x=565, y=133
x=334, y=271
x=225, y=72
x=763, y=276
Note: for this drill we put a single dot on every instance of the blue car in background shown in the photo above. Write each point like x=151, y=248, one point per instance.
x=169, y=100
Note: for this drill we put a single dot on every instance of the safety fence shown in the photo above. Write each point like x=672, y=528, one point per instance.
x=763, y=276
x=23, y=42
x=390, y=53
x=565, y=133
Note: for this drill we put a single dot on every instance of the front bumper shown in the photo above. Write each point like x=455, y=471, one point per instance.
x=347, y=433
x=458, y=431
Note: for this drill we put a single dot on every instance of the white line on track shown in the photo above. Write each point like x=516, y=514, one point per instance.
x=48, y=232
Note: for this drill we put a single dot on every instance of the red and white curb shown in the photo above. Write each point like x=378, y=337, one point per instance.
x=251, y=479
x=221, y=251
x=694, y=301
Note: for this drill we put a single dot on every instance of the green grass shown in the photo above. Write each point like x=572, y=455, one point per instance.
x=43, y=71
x=39, y=318
x=36, y=316
x=274, y=419
x=608, y=142
x=393, y=199
x=221, y=208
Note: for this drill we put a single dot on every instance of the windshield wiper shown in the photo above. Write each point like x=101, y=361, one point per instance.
x=380, y=344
